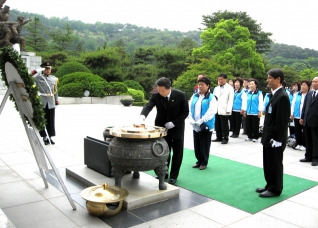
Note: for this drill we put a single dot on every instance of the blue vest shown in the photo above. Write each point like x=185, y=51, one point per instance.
x=237, y=103
x=205, y=104
x=291, y=97
x=266, y=100
x=252, y=103
x=297, y=106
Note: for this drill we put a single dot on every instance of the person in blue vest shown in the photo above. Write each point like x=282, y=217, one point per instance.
x=267, y=97
x=295, y=87
x=239, y=104
x=296, y=109
x=202, y=109
x=254, y=108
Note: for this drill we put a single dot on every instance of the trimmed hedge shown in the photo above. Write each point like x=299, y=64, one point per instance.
x=134, y=85
x=137, y=95
x=74, y=89
x=71, y=67
x=114, y=88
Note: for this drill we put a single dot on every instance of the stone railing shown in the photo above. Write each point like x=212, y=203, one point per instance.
x=114, y=100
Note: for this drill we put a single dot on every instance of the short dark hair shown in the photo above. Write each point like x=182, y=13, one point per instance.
x=205, y=80
x=246, y=79
x=255, y=81
x=306, y=82
x=277, y=73
x=297, y=84
x=240, y=80
x=223, y=76
x=164, y=82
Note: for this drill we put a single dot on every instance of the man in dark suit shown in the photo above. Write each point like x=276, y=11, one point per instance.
x=309, y=119
x=172, y=110
x=274, y=136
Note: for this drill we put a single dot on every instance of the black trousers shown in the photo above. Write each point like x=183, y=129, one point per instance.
x=175, y=141
x=236, y=121
x=273, y=168
x=202, y=143
x=49, y=115
x=252, y=126
x=299, y=133
x=222, y=126
x=311, y=143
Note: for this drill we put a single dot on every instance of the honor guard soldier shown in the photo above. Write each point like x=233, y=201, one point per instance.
x=47, y=84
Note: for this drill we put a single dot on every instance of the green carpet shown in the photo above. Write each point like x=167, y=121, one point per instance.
x=234, y=183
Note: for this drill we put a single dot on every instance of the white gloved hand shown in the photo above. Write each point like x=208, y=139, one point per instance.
x=169, y=125
x=140, y=120
x=192, y=122
x=275, y=143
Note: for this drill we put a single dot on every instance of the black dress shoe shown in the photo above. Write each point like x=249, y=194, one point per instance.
x=166, y=176
x=216, y=140
x=224, y=141
x=46, y=142
x=234, y=136
x=267, y=194
x=202, y=167
x=305, y=160
x=196, y=166
x=172, y=181
x=260, y=190
x=314, y=163
x=52, y=142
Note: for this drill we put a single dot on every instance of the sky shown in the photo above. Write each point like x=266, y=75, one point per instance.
x=291, y=22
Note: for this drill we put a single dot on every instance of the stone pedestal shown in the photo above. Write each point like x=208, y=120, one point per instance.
x=31, y=61
x=142, y=192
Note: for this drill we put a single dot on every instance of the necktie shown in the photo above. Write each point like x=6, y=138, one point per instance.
x=167, y=99
x=315, y=93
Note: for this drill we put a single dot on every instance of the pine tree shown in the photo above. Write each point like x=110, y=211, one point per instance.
x=35, y=37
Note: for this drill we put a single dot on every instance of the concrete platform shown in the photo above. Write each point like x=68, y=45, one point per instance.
x=142, y=192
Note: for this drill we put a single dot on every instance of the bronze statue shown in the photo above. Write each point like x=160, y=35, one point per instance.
x=9, y=30
x=16, y=30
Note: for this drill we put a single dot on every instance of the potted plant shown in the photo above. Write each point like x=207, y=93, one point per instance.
x=126, y=101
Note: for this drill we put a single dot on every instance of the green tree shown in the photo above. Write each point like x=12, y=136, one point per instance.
x=171, y=62
x=62, y=38
x=35, y=37
x=208, y=67
x=187, y=44
x=229, y=44
x=110, y=63
x=308, y=74
x=261, y=38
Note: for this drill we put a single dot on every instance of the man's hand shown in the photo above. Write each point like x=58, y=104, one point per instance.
x=192, y=122
x=301, y=121
x=140, y=120
x=56, y=102
x=275, y=143
x=169, y=125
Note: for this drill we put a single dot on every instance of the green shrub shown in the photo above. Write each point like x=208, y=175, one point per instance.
x=137, y=95
x=113, y=88
x=91, y=82
x=97, y=89
x=134, y=85
x=74, y=89
x=71, y=67
x=140, y=103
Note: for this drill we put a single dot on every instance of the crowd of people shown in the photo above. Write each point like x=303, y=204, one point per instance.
x=233, y=105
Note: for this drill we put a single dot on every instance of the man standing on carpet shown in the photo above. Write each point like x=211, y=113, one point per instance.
x=274, y=136
x=172, y=110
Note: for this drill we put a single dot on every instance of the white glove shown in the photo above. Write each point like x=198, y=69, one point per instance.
x=192, y=122
x=169, y=125
x=275, y=143
x=140, y=120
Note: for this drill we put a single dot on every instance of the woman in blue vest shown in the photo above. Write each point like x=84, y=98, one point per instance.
x=202, y=108
x=238, y=107
x=254, y=108
x=296, y=109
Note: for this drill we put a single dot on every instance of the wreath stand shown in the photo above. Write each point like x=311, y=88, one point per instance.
x=21, y=97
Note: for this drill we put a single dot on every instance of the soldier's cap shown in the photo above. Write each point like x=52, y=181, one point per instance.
x=46, y=64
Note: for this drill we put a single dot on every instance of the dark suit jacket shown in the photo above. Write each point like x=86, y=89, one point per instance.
x=176, y=111
x=310, y=111
x=276, y=123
